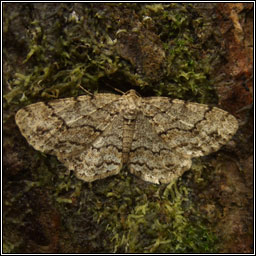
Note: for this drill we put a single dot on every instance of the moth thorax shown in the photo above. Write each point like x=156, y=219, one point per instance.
x=130, y=113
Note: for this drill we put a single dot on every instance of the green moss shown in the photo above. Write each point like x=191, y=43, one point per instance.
x=82, y=51
x=153, y=222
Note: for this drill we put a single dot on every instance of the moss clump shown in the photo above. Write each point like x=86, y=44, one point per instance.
x=164, y=52
x=150, y=219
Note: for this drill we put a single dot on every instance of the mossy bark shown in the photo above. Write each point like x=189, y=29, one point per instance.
x=172, y=49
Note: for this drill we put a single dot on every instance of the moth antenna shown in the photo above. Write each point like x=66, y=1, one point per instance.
x=81, y=87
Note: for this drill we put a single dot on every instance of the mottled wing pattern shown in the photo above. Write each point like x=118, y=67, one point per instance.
x=156, y=137
x=169, y=133
x=73, y=128
x=150, y=156
x=190, y=129
x=102, y=158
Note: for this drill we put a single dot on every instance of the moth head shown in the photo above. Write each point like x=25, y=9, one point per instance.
x=132, y=93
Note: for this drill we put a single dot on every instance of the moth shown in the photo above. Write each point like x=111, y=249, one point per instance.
x=96, y=136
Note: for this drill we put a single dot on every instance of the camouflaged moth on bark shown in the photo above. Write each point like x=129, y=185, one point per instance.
x=155, y=137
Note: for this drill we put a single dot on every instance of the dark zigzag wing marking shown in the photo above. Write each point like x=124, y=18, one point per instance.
x=102, y=158
x=150, y=156
x=49, y=127
x=191, y=129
